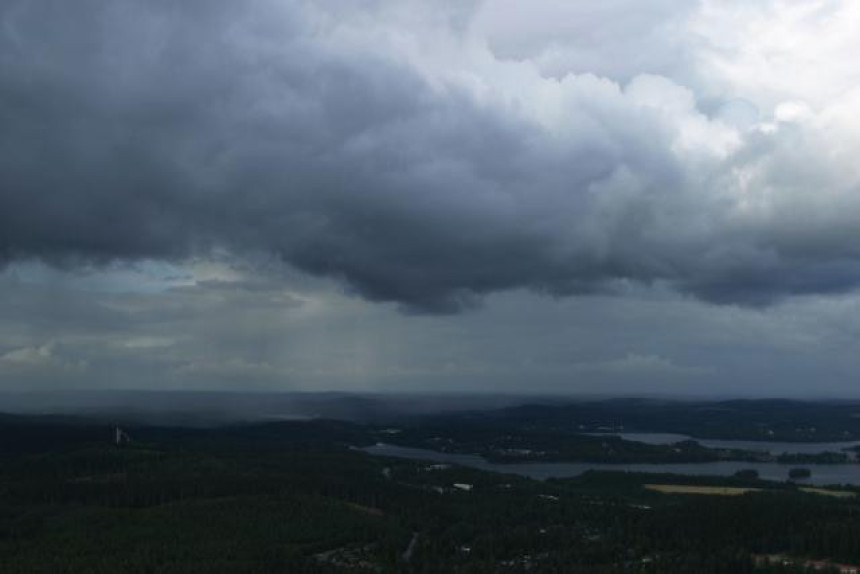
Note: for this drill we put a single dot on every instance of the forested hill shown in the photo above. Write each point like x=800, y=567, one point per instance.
x=776, y=420
x=294, y=497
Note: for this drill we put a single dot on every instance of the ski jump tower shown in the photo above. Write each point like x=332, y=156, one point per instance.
x=121, y=437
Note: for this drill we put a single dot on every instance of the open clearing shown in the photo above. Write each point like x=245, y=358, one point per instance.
x=736, y=491
x=706, y=490
x=825, y=492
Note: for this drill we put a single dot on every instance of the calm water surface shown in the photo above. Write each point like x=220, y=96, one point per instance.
x=821, y=473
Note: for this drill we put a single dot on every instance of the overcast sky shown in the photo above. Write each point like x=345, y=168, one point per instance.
x=431, y=195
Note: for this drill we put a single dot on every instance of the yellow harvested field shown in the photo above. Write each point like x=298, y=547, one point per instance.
x=736, y=491
x=825, y=492
x=706, y=490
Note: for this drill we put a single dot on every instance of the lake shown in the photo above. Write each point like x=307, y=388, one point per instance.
x=821, y=473
x=775, y=448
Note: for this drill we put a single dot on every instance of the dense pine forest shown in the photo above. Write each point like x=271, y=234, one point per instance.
x=297, y=497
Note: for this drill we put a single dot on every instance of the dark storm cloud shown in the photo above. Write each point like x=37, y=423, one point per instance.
x=384, y=144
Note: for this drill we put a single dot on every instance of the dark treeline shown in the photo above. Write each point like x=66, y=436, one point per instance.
x=775, y=420
x=293, y=497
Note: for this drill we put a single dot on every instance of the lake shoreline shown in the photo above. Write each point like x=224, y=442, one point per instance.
x=822, y=474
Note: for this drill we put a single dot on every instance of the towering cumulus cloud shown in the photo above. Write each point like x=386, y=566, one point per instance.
x=428, y=152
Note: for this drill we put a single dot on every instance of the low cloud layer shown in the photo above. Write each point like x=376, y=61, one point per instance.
x=430, y=153
x=211, y=328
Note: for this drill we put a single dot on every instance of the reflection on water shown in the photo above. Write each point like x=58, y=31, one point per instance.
x=821, y=473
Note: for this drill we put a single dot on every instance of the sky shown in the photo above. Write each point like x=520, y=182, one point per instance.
x=553, y=196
